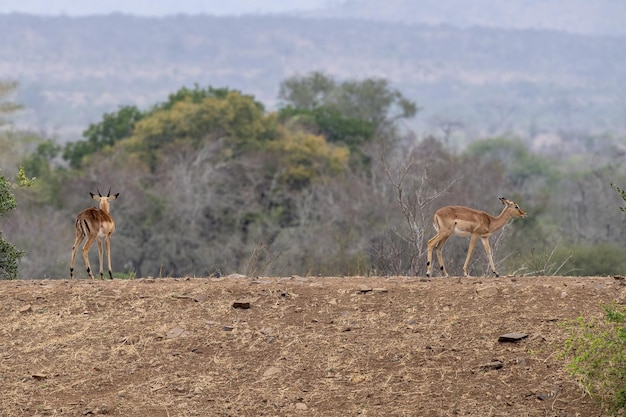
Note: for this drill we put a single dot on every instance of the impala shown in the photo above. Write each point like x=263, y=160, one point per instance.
x=95, y=224
x=467, y=222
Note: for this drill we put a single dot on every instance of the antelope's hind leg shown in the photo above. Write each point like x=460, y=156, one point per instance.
x=86, y=248
x=429, y=260
x=437, y=243
x=439, y=250
x=79, y=238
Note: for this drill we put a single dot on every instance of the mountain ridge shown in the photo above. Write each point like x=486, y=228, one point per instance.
x=73, y=69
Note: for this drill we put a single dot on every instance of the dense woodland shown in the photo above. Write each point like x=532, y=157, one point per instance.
x=331, y=183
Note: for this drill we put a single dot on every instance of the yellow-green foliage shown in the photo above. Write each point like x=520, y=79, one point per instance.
x=299, y=157
x=236, y=118
x=305, y=157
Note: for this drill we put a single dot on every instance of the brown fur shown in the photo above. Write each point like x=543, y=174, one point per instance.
x=467, y=222
x=97, y=225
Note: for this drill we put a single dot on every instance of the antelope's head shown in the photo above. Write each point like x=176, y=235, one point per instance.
x=513, y=208
x=104, y=200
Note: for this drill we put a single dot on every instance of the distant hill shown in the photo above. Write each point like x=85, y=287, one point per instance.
x=598, y=17
x=156, y=8
x=72, y=70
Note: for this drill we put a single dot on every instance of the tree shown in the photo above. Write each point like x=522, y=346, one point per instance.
x=309, y=92
x=302, y=158
x=362, y=115
x=121, y=124
x=197, y=95
x=521, y=164
x=414, y=196
x=332, y=124
x=196, y=119
x=39, y=162
x=9, y=255
x=370, y=100
x=113, y=128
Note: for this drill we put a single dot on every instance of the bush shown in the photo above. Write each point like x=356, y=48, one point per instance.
x=9, y=255
x=598, y=358
x=9, y=259
x=597, y=260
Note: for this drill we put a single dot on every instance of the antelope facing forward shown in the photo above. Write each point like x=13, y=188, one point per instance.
x=467, y=222
x=95, y=224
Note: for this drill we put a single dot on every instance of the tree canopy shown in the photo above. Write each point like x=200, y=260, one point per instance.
x=373, y=102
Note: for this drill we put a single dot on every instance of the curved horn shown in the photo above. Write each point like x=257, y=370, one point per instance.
x=98, y=192
x=109, y=193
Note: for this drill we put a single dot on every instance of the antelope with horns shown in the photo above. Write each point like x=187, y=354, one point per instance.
x=95, y=224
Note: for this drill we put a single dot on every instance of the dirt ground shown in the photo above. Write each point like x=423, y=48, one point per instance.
x=238, y=346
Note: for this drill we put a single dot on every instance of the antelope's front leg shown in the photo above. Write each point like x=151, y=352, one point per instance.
x=470, y=250
x=488, y=250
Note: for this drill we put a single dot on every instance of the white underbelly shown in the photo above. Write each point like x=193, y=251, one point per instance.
x=461, y=233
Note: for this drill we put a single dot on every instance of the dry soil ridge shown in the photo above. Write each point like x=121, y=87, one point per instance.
x=306, y=346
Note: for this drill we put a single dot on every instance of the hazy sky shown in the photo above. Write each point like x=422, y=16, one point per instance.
x=160, y=7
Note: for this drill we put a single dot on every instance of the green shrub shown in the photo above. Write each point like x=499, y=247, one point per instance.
x=598, y=358
x=9, y=259
x=9, y=255
x=599, y=259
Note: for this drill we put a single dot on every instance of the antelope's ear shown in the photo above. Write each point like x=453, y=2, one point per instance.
x=503, y=200
x=95, y=197
x=114, y=196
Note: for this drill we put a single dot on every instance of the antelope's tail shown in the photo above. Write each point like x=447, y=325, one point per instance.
x=436, y=223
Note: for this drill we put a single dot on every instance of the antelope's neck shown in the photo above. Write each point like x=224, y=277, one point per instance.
x=104, y=206
x=502, y=219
